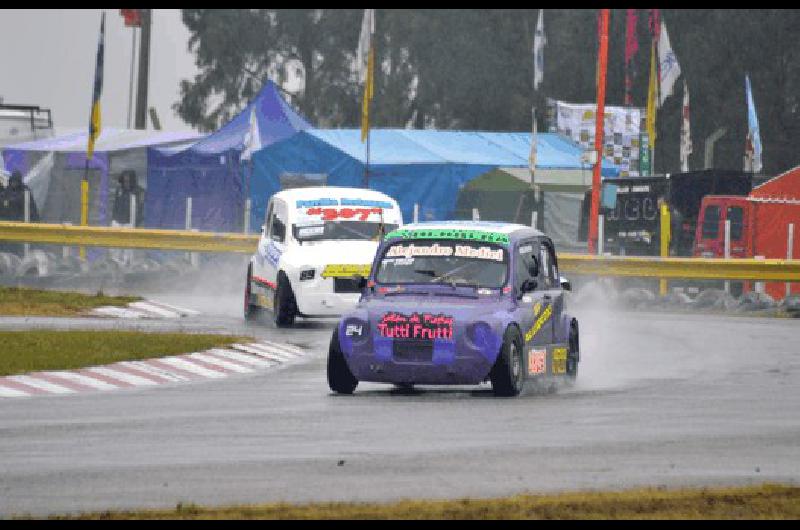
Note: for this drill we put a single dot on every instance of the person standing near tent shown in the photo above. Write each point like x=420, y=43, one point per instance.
x=12, y=208
x=128, y=186
x=12, y=201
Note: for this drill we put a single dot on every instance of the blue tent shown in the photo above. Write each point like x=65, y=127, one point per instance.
x=210, y=170
x=426, y=167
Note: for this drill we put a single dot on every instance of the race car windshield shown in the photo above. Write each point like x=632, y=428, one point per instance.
x=453, y=262
x=340, y=230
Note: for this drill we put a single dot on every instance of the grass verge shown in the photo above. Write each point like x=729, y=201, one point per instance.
x=22, y=301
x=30, y=351
x=766, y=501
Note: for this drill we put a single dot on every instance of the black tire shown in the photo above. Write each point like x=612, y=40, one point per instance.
x=285, y=306
x=507, y=374
x=251, y=311
x=573, y=355
x=340, y=379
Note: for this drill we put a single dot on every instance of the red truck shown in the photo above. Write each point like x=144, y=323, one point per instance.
x=760, y=225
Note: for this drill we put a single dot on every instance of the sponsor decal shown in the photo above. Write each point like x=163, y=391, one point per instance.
x=420, y=326
x=273, y=254
x=317, y=202
x=544, y=317
x=527, y=249
x=459, y=251
x=447, y=233
x=536, y=361
x=311, y=231
x=366, y=202
x=536, y=308
x=336, y=270
x=559, y=360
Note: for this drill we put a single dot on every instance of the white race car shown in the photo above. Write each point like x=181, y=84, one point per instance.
x=314, y=244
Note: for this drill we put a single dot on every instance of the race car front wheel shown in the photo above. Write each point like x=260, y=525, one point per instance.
x=507, y=373
x=285, y=306
x=250, y=310
x=340, y=379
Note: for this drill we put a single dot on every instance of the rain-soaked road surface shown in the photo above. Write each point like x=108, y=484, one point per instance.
x=660, y=400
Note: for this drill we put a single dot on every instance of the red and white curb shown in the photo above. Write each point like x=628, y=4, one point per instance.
x=210, y=364
x=144, y=309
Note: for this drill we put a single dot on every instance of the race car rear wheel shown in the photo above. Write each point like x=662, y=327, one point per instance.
x=507, y=373
x=573, y=355
x=251, y=311
x=340, y=379
x=285, y=306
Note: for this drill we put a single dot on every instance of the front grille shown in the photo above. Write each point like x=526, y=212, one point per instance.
x=412, y=350
x=345, y=285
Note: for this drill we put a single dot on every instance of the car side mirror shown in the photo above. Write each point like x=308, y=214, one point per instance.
x=361, y=281
x=527, y=286
x=565, y=284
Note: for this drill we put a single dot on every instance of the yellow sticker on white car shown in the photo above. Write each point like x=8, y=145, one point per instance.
x=345, y=270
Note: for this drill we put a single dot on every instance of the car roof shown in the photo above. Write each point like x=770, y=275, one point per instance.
x=332, y=192
x=514, y=231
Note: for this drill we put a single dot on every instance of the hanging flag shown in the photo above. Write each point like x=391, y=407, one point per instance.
x=94, y=120
x=539, y=40
x=532, y=155
x=652, y=98
x=631, y=47
x=668, y=68
x=753, y=145
x=365, y=58
x=654, y=21
x=133, y=17
x=686, y=137
x=252, y=139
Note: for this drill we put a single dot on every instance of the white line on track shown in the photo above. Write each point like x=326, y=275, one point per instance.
x=118, y=312
x=155, y=310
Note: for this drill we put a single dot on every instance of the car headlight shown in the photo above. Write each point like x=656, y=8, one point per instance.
x=307, y=274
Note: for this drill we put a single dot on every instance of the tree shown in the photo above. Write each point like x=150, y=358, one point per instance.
x=472, y=69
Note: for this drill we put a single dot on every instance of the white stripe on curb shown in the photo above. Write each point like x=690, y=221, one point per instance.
x=41, y=384
x=219, y=362
x=154, y=309
x=121, y=376
x=118, y=312
x=82, y=379
x=243, y=357
x=185, y=364
x=214, y=363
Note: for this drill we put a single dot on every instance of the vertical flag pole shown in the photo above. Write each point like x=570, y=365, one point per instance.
x=94, y=127
x=599, y=129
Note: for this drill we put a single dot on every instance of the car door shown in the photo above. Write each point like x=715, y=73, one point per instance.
x=532, y=309
x=553, y=295
x=276, y=241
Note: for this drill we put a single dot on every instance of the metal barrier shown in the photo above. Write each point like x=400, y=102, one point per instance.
x=646, y=267
x=118, y=237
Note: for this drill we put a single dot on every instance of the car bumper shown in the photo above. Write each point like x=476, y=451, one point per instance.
x=316, y=303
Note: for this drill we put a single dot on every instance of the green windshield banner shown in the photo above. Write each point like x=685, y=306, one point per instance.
x=450, y=233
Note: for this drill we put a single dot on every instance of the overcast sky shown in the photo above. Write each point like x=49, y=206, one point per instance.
x=47, y=58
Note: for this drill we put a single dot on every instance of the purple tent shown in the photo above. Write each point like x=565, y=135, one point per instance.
x=211, y=171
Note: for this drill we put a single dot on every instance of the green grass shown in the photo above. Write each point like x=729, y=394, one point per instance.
x=21, y=301
x=766, y=501
x=30, y=351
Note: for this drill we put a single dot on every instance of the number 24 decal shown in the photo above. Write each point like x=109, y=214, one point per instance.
x=331, y=214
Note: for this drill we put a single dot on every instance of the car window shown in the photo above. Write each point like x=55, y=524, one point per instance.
x=268, y=219
x=549, y=270
x=711, y=222
x=735, y=215
x=525, y=260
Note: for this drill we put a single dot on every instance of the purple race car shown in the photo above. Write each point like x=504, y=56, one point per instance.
x=454, y=303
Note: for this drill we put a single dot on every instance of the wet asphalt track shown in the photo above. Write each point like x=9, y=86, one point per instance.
x=660, y=400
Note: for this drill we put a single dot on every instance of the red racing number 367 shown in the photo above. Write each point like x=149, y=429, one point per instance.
x=332, y=214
